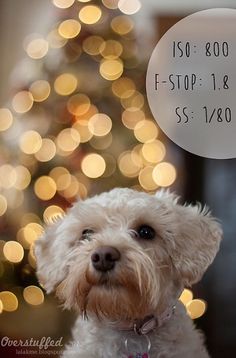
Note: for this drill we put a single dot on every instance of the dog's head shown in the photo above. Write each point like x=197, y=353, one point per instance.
x=126, y=254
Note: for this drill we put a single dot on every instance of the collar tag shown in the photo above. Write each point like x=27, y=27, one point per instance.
x=145, y=326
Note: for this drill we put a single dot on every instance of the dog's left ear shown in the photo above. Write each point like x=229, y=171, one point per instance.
x=199, y=236
x=193, y=240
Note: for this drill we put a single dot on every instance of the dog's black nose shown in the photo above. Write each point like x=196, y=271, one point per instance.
x=104, y=258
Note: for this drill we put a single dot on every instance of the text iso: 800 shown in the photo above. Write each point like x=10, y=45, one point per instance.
x=211, y=49
x=210, y=115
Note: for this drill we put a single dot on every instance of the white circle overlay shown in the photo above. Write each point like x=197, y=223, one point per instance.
x=191, y=83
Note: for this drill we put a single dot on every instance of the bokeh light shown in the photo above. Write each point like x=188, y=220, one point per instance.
x=164, y=174
x=93, y=165
x=132, y=116
x=145, y=131
x=101, y=143
x=33, y=295
x=7, y=176
x=65, y=84
x=90, y=14
x=186, y=296
x=37, y=48
x=9, y=301
x=195, y=308
x=6, y=119
x=55, y=40
x=129, y=7
x=82, y=127
x=1, y=306
x=40, y=90
x=110, y=4
x=133, y=99
x=52, y=212
x=78, y=104
x=111, y=69
x=111, y=49
x=92, y=45
x=13, y=251
x=63, y=4
x=154, y=152
x=45, y=188
x=122, y=24
x=68, y=139
x=3, y=205
x=23, y=177
x=127, y=165
x=123, y=87
x=47, y=150
x=31, y=232
x=100, y=124
x=146, y=180
x=69, y=28
x=22, y=102
x=30, y=142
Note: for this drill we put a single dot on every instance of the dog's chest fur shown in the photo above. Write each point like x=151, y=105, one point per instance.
x=177, y=338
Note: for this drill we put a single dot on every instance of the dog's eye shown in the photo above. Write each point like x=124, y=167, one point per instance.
x=86, y=234
x=146, y=232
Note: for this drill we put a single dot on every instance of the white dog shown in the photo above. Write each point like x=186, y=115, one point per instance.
x=121, y=260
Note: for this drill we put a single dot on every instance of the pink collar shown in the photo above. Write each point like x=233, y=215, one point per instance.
x=147, y=324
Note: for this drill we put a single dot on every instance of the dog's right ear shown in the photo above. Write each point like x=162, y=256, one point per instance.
x=50, y=256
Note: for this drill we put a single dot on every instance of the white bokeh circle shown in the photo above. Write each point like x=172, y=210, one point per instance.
x=191, y=83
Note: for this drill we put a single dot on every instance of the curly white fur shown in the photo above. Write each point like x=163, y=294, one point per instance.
x=146, y=279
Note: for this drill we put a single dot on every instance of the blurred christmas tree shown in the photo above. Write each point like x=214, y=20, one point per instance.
x=77, y=123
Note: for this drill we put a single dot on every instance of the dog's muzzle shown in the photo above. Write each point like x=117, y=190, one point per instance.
x=104, y=258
